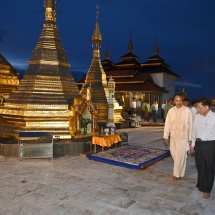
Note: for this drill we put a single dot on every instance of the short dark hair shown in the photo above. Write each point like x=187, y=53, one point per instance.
x=195, y=101
x=177, y=94
x=205, y=102
x=186, y=99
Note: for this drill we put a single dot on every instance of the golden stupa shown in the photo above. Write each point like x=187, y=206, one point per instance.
x=9, y=78
x=45, y=95
x=96, y=81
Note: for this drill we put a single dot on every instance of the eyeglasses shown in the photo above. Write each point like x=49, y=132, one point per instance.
x=200, y=108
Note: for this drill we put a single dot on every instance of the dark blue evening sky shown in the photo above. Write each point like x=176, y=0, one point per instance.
x=185, y=29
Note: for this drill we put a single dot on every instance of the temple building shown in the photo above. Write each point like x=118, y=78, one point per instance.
x=9, y=78
x=151, y=80
x=96, y=80
x=47, y=98
x=160, y=73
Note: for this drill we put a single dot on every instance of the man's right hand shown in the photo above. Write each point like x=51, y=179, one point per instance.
x=166, y=141
x=192, y=150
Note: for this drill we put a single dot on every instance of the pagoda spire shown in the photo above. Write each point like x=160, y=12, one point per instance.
x=156, y=48
x=130, y=45
x=50, y=13
x=97, y=37
x=96, y=78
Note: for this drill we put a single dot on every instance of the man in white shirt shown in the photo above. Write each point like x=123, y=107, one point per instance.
x=203, y=144
x=133, y=107
x=154, y=111
x=178, y=125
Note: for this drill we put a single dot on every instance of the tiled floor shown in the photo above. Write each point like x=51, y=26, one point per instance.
x=76, y=185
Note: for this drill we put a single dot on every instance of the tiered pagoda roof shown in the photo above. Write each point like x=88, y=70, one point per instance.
x=129, y=60
x=45, y=94
x=127, y=75
x=156, y=64
x=107, y=64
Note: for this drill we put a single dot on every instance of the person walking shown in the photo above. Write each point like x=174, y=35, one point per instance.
x=162, y=110
x=187, y=102
x=147, y=113
x=178, y=126
x=139, y=106
x=143, y=108
x=194, y=109
x=203, y=144
x=133, y=107
x=167, y=107
x=154, y=111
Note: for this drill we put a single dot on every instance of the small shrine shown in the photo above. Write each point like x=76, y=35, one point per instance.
x=83, y=116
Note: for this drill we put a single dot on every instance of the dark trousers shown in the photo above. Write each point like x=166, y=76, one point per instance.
x=133, y=111
x=205, y=163
x=162, y=115
x=154, y=115
x=147, y=115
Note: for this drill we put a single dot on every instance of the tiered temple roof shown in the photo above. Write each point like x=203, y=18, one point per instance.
x=132, y=71
x=156, y=64
x=128, y=76
x=129, y=60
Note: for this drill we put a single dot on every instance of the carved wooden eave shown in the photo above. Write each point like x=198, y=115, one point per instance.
x=120, y=76
x=153, y=64
x=130, y=82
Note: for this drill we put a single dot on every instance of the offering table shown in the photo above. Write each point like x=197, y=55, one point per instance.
x=105, y=141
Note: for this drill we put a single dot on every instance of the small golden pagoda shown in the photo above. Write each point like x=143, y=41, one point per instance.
x=45, y=95
x=9, y=78
x=96, y=80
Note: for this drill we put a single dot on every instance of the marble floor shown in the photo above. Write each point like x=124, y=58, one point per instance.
x=75, y=185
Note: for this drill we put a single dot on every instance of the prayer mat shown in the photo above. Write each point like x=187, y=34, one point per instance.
x=135, y=157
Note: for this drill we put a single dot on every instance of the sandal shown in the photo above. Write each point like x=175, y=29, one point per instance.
x=175, y=178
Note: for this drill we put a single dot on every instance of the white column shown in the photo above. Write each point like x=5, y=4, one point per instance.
x=111, y=87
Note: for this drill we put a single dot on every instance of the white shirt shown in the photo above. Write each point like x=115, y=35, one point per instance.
x=134, y=104
x=194, y=112
x=138, y=104
x=154, y=107
x=163, y=106
x=204, y=127
x=143, y=105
